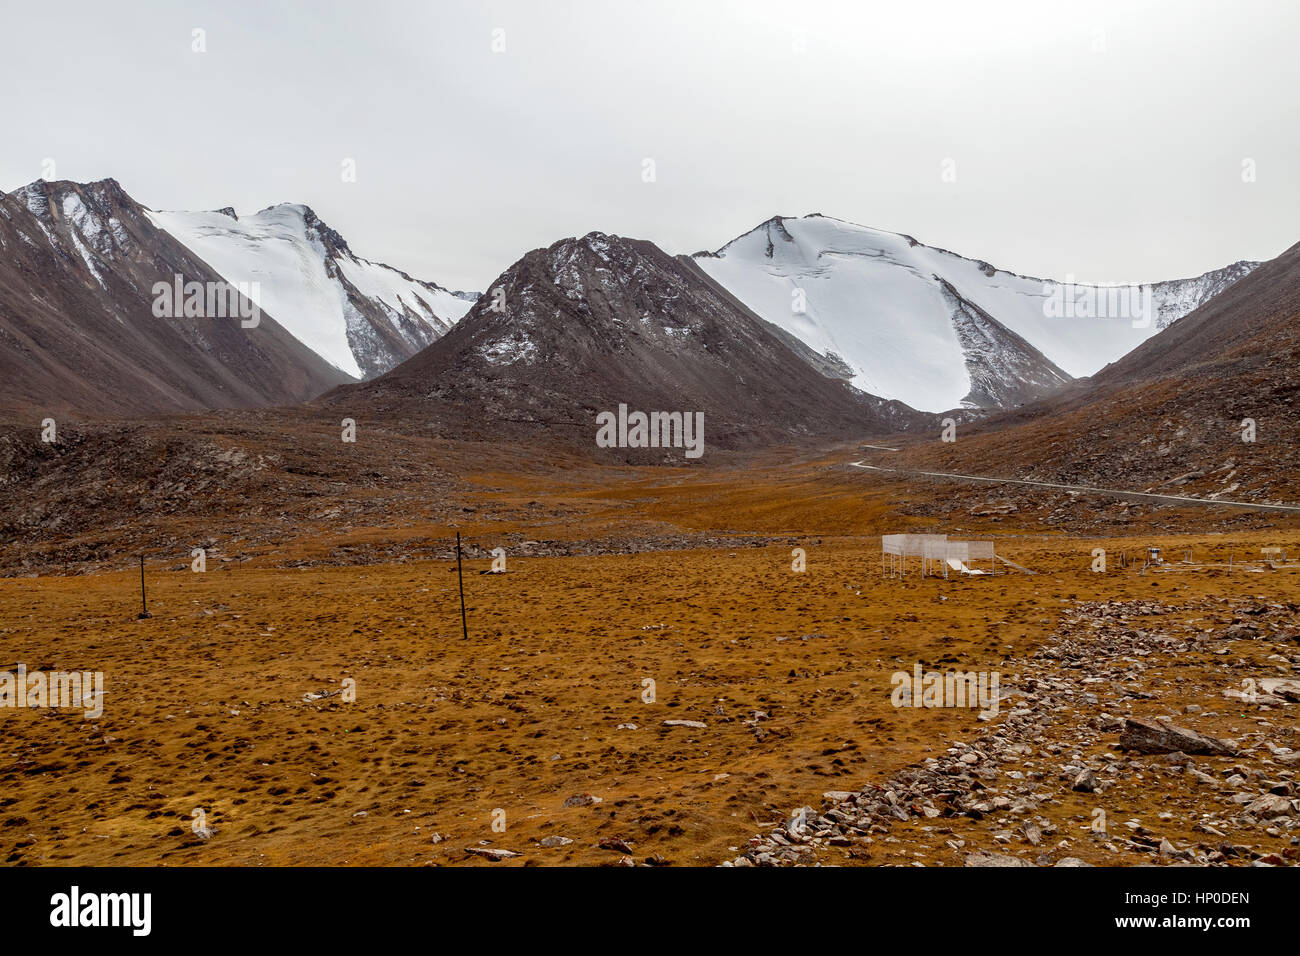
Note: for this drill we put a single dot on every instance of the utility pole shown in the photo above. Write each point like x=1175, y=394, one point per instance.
x=464, y=628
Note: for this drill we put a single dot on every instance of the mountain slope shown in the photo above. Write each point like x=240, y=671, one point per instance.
x=925, y=326
x=361, y=316
x=1250, y=324
x=78, y=264
x=588, y=324
x=1170, y=415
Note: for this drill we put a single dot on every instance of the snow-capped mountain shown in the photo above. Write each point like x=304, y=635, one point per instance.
x=590, y=323
x=79, y=327
x=930, y=328
x=363, y=317
x=1169, y=416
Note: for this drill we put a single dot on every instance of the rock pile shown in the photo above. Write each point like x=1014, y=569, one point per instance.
x=1060, y=732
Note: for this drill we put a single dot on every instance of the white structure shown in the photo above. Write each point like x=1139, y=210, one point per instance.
x=900, y=547
x=937, y=554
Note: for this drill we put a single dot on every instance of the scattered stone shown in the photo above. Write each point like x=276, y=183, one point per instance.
x=491, y=853
x=1085, y=782
x=984, y=858
x=1269, y=805
x=1066, y=696
x=1280, y=687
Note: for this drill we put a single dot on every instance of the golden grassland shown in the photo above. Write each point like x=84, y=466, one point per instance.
x=205, y=700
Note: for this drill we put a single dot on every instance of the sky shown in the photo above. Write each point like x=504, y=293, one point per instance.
x=1104, y=142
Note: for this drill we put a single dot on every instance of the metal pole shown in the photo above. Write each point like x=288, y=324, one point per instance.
x=464, y=627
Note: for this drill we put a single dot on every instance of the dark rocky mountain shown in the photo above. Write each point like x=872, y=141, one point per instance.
x=78, y=330
x=588, y=324
x=1004, y=369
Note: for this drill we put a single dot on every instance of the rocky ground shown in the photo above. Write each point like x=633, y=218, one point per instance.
x=253, y=489
x=1051, y=781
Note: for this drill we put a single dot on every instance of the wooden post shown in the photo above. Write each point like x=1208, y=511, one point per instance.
x=144, y=608
x=464, y=627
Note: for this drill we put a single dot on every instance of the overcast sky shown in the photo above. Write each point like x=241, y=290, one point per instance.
x=1103, y=141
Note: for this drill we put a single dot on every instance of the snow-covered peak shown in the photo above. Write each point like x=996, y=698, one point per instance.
x=898, y=313
x=363, y=317
x=810, y=236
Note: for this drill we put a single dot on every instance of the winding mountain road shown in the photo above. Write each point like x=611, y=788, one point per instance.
x=1086, y=489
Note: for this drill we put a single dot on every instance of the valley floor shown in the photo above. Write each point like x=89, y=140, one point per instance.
x=537, y=722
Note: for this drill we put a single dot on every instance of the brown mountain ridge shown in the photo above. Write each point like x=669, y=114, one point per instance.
x=78, y=334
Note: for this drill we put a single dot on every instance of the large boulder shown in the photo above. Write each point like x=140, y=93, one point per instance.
x=1157, y=737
